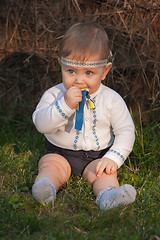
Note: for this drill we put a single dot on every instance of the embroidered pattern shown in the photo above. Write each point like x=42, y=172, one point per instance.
x=83, y=64
x=76, y=140
x=71, y=62
x=94, y=127
x=60, y=110
x=114, y=151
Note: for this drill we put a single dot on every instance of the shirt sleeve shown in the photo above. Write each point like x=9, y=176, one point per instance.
x=51, y=113
x=123, y=130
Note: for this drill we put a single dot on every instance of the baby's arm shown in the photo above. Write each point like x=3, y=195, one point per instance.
x=52, y=112
x=106, y=165
x=124, y=135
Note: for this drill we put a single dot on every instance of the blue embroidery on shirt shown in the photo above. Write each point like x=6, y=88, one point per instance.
x=60, y=110
x=94, y=127
x=76, y=140
x=114, y=151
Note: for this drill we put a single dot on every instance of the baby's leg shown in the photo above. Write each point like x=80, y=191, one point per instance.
x=106, y=188
x=99, y=183
x=53, y=171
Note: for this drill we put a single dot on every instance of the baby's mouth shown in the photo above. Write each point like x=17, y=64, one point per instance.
x=84, y=87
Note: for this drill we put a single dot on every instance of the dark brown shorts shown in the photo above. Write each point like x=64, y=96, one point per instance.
x=78, y=160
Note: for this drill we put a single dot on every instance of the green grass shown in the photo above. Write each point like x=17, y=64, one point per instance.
x=75, y=214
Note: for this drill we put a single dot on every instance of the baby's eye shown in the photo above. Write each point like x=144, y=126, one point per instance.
x=71, y=71
x=89, y=73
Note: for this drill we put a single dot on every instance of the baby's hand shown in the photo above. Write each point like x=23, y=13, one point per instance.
x=73, y=96
x=107, y=165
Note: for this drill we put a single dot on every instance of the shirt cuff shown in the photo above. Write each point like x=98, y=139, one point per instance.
x=115, y=156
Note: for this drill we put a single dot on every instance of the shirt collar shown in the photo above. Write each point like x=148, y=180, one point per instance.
x=97, y=92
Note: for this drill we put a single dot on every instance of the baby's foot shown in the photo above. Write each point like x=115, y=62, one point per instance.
x=43, y=191
x=114, y=197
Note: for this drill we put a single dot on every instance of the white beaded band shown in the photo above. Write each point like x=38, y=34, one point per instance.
x=101, y=63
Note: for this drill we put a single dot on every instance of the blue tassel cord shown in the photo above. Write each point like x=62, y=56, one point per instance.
x=80, y=109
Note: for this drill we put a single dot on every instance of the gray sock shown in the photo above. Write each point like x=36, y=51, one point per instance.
x=114, y=197
x=44, y=191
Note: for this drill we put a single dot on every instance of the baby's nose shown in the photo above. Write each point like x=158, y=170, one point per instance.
x=79, y=79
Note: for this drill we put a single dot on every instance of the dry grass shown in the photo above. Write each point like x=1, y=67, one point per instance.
x=31, y=32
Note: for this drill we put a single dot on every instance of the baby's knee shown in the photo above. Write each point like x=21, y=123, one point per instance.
x=63, y=168
x=47, y=161
x=55, y=165
x=90, y=173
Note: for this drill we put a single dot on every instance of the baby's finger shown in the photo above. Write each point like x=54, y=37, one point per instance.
x=113, y=170
x=76, y=91
x=97, y=166
x=108, y=169
x=100, y=168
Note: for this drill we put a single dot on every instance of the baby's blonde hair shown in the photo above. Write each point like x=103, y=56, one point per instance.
x=85, y=39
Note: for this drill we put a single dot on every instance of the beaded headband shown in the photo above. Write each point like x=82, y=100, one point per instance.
x=100, y=63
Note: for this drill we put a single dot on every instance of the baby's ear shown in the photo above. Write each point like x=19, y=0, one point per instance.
x=59, y=60
x=106, y=70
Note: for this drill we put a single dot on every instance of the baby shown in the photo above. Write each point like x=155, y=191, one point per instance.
x=88, y=128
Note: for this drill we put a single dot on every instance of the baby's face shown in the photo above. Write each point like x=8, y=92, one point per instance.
x=83, y=77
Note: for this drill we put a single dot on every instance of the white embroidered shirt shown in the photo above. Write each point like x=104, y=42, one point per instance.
x=109, y=124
